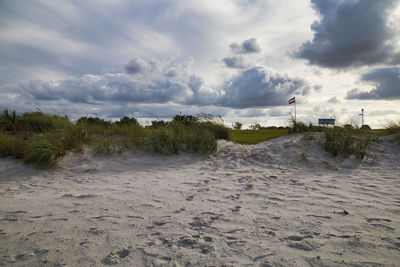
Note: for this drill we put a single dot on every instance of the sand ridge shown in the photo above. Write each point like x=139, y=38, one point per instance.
x=284, y=202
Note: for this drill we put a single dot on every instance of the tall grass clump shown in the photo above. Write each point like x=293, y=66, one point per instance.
x=345, y=143
x=393, y=128
x=164, y=142
x=41, y=138
x=42, y=153
x=9, y=145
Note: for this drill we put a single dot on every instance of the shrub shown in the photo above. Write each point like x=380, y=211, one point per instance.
x=7, y=121
x=156, y=124
x=237, y=125
x=94, y=121
x=185, y=119
x=127, y=121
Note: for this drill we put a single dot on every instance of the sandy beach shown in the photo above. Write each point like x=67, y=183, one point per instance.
x=284, y=202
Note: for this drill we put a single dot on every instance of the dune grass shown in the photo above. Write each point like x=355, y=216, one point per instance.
x=256, y=136
x=41, y=138
x=346, y=140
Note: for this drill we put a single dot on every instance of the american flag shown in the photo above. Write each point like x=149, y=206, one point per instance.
x=292, y=100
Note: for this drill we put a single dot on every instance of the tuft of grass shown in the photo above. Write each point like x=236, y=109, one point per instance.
x=107, y=147
x=164, y=142
x=345, y=143
x=41, y=153
x=200, y=142
x=9, y=145
x=392, y=128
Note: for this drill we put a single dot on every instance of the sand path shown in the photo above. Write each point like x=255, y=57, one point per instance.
x=279, y=203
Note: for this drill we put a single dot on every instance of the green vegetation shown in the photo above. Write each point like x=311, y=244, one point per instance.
x=256, y=136
x=346, y=140
x=339, y=141
x=41, y=138
x=237, y=125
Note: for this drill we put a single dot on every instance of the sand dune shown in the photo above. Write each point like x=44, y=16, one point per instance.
x=284, y=202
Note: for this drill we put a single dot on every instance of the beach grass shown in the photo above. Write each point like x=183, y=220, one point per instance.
x=42, y=138
x=256, y=136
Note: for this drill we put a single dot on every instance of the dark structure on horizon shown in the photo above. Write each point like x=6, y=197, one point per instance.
x=326, y=121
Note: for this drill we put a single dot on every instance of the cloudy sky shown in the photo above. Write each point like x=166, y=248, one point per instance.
x=242, y=59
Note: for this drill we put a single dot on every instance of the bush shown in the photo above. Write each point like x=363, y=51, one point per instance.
x=156, y=124
x=127, y=121
x=237, y=125
x=94, y=121
x=186, y=119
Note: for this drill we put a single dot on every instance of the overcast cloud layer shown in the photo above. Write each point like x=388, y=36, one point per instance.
x=237, y=58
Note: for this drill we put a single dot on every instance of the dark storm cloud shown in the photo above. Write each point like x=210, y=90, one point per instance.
x=107, y=88
x=258, y=87
x=387, y=81
x=246, y=47
x=255, y=87
x=160, y=111
x=351, y=33
x=234, y=62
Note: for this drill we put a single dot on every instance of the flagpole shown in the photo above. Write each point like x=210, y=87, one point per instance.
x=295, y=119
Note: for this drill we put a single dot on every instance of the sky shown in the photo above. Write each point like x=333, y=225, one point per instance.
x=241, y=59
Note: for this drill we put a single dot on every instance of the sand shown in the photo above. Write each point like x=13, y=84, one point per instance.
x=284, y=202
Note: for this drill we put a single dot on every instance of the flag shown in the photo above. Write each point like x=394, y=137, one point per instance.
x=292, y=100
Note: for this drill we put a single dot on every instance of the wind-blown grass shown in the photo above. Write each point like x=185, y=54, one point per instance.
x=41, y=138
x=344, y=140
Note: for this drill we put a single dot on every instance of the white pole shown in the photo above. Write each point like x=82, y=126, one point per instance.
x=295, y=110
x=362, y=117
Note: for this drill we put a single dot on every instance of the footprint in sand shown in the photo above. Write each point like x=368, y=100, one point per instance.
x=115, y=257
x=236, y=209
